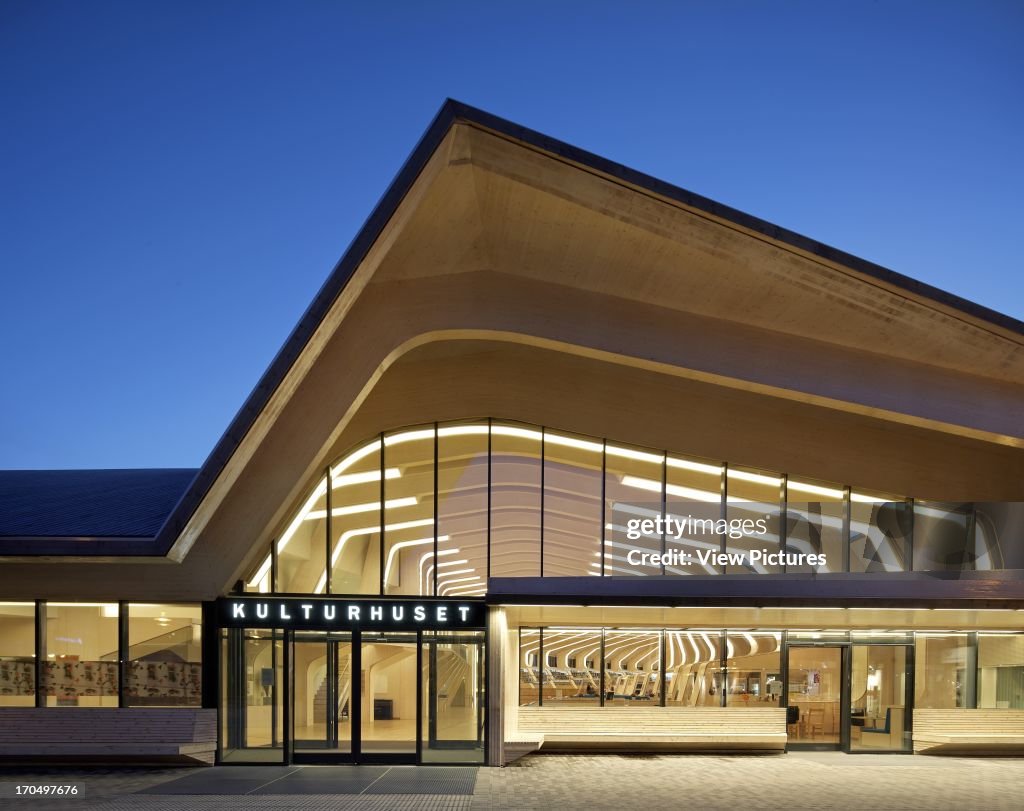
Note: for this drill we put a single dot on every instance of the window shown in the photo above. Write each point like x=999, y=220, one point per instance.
x=633, y=492
x=694, y=489
x=568, y=683
x=815, y=524
x=1001, y=671
x=940, y=537
x=302, y=548
x=879, y=532
x=529, y=667
x=355, y=521
x=408, y=510
x=940, y=681
x=515, y=501
x=461, y=564
x=164, y=660
x=753, y=500
x=754, y=669
x=632, y=675
x=81, y=666
x=17, y=654
x=572, y=505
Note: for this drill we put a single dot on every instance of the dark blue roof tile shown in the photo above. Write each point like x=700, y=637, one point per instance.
x=89, y=503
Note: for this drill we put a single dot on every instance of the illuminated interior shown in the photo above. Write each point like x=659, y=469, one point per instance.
x=436, y=510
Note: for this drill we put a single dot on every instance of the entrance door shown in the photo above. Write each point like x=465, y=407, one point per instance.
x=817, y=689
x=880, y=698
x=388, y=697
x=453, y=698
x=322, y=667
x=388, y=686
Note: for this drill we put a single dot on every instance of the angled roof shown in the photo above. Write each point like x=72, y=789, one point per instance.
x=82, y=505
x=450, y=114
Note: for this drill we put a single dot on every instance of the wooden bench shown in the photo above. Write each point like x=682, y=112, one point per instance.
x=646, y=728
x=108, y=734
x=975, y=732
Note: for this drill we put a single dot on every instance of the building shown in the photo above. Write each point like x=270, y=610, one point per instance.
x=561, y=456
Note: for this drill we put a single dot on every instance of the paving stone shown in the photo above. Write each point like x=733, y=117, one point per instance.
x=794, y=782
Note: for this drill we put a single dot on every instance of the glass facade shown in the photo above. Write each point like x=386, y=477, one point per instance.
x=649, y=667
x=65, y=654
x=435, y=510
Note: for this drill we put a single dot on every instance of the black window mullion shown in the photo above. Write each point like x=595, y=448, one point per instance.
x=543, y=465
x=847, y=523
x=541, y=664
x=783, y=512
x=380, y=539
x=724, y=512
x=41, y=658
x=662, y=659
x=433, y=589
x=489, y=485
x=328, y=574
x=723, y=645
x=664, y=508
x=604, y=497
x=122, y=654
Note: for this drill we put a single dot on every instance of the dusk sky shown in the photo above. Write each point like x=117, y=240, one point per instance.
x=179, y=178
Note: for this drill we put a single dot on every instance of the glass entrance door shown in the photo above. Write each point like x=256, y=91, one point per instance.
x=388, y=682
x=389, y=697
x=453, y=698
x=879, y=698
x=322, y=667
x=816, y=690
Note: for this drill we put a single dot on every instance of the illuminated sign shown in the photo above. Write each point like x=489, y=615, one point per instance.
x=325, y=614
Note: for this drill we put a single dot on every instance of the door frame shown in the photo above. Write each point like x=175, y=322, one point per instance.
x=355, y=753
x=846, y=685
x=908, y=697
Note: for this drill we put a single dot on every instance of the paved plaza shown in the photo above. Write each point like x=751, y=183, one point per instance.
x=793, y=782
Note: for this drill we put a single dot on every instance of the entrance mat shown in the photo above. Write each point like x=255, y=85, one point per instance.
x=221, y=780
x=325, y=780
x=426, y=780
x=238, y=780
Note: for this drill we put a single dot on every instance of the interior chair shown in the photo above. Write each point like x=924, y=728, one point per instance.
x=888, y=736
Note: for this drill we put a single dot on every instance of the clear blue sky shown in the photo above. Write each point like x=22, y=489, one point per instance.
x=178, y=178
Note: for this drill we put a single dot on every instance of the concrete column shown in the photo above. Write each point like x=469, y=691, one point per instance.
x=497, y=642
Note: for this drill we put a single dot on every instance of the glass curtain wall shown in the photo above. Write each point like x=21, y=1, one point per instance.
x=436, y=510
x=649, y=667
